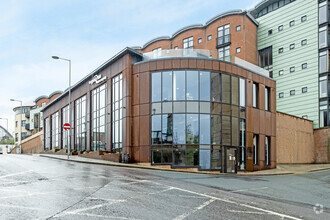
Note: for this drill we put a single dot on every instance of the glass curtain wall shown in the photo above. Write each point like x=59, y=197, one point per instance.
x=55, y=131
x=80, y=124
x=117, y=111
x=98, y=102
x=65, y=134
x=196, y=115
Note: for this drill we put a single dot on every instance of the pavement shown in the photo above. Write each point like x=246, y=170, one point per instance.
x=281, y=169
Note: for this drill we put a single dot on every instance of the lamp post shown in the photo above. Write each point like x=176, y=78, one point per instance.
x=20, y=126
x=7, y=122
x=69, y=131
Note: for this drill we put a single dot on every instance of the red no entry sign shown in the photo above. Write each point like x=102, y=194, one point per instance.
x=66, y=126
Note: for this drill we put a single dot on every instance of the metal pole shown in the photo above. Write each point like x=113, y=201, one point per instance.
x=69, y=108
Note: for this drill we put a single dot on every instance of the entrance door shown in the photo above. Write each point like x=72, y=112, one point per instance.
x=231, y=160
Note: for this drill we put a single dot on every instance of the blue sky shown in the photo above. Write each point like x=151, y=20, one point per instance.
x=87, y=32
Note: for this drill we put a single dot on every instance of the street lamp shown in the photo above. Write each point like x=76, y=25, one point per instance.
x=69, y=131
x=20, y=126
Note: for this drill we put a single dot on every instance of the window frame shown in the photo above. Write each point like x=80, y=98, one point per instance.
x=281, y=95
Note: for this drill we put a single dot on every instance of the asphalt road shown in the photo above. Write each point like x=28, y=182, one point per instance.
x=33, y=187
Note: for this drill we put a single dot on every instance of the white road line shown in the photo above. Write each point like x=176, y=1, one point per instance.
x=101, y=216
x=185, y=215
x=232, y=202
x=27, y=171
x=242, y=190
x=93, y=207
x=246, y=212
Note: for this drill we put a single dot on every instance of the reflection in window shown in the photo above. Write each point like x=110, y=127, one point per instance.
x=167, y=86
x=80, y=124
x=156, y=87
x=242, y=92
x=323, y=37
x=204, y=124
x=267, y=150
x=267, y=93
x=234, y=89
x=205, y=159
x=179, y=129
x=255, y=95
x=192, y=129
x=188, y=43
x=192, y=85
x=215, y=87
x=225, y=88
x=323, y=12
x=156, y=130
x=215, y=129
x=204, y=85
x=117, y=110
x=98, y=108
x=323, y=64
x=167, y=128
x=226, y=130
x=179, y=86
x=255, y=149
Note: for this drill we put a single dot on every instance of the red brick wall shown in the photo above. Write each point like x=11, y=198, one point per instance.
x=322, y=152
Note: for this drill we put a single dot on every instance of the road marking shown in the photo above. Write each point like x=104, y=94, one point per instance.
x=20, y=207
x=101, y=216
x=28, y=171
x=232, y=202
x=185, y=215
x=246, y=212
x=242, y=190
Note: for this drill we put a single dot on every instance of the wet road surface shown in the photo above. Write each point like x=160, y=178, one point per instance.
x=33, y=187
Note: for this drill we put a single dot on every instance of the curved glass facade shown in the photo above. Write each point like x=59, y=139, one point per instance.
x=198, y=119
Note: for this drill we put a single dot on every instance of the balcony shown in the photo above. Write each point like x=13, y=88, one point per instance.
x=27, y=114
x=27, y=126
x=191, y=53
x=223, y=41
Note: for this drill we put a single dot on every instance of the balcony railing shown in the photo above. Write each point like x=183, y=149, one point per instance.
x=177, y=53
x=223, y=41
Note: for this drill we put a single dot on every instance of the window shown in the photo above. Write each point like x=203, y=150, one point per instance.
x=304, y=18
x=43, y=104
x=280, y=73
x=304, y=90
x=292, y=92
x=304, y=42
x=267, y=150
x=16, y=124
x=47, y=133
x=291, y=23
x=323, y=63
x=292, y=46
x=65, y=134
x=280, y=28
x=323, y=12
x=267, y=95
x=157, y=52
x=292, y=69
x=238, y=28
x=23, y=123
x=242, y=92
x=270, y=32
x=209, y=37
x=323, y=37
x=80, y=124
x=305, y=116
x=280, y=50
x=255, y=149
x=176, y=48
x=117, y=110
x=281, y=95
x=55, y=131
x=238, y=50
x=255, y=95
x=98, y=119
x=224, y=53
x=266, y=58
x=199, y=40
x=304, y=66
x=323, y=85
x=223, y=34
x=324, y=119
x=188, y=43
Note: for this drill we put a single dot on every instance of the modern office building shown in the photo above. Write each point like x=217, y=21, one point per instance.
x=293, y=45
x=195, y=99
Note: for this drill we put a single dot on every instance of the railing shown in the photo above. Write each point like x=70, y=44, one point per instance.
x=223, y=40
x=177, y=53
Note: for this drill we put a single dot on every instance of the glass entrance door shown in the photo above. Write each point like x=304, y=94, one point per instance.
x=231, y=160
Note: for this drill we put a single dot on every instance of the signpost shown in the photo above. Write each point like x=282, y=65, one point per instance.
x=67, y=127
